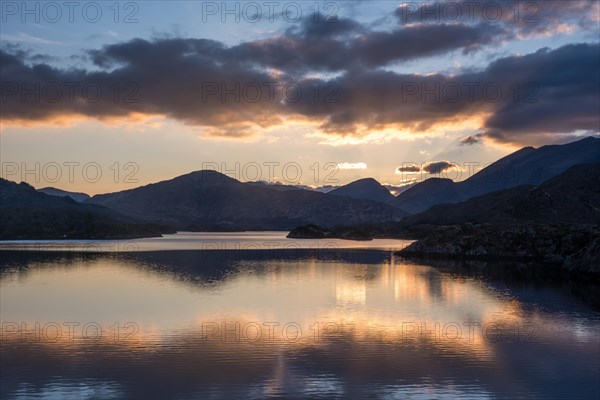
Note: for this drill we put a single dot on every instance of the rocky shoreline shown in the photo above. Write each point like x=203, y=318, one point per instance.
x=573, y=247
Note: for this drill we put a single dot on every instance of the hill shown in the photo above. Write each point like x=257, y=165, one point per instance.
x=28, y=214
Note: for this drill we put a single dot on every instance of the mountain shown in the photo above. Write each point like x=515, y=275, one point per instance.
x=426, y=193
x=28, y=214
x=208, y=200
x=77, y=196
x=528, y=166
x=368, y=189
x=572, y=197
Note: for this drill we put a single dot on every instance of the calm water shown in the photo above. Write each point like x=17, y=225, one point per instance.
x=288, y=322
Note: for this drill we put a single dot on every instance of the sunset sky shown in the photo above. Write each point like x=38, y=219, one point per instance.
x=289, y=87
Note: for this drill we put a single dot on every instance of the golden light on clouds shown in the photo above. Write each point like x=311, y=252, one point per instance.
x=135, y=121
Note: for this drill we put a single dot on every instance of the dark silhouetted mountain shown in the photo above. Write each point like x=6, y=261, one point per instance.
x=28, y=214
x=208, y=200
x=77, y=196
x=571, y=197
x=527, y=166
x=428, y=192
x=368, y=189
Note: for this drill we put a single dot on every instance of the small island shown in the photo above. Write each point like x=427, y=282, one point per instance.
x=315, y=232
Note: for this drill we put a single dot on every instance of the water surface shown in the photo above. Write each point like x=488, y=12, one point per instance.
x=238, y=241
x=292, y=323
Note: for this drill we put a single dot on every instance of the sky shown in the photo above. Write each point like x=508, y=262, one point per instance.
x=105, y=96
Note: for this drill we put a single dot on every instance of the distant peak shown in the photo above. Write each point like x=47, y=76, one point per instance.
x=524, y=149
x=372, y=181
x=204, y=173
x=438, y=180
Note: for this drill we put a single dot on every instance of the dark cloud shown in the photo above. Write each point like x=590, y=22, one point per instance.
x=417, y=41
x=436, y=167
x=174, y=78
x=233, y=92
x=137, y=52
x=522, y=99
x=409, y=168
x=525, y=18
x=319, y=49
x=328, y=27
x=470, y=140
x=559, y=92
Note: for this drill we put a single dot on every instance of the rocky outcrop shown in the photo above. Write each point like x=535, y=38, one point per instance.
x=571, y=246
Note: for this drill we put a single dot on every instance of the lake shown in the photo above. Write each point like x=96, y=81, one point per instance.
x=255, y=315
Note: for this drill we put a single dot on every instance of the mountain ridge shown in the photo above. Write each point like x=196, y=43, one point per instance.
x=209, y=200
x=525, y=166
x=571, y=197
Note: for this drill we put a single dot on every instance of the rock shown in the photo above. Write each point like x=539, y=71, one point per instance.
x=315, y=232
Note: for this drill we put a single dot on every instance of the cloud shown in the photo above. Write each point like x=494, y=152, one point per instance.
x=470, y=140
x=327, y=27
x=524, y=19
x=408, y=168
x=359, y=165
x=239, y=91
x=26, y=38
x=418, y=41
x=174, y=78
x=559, y=93
x=345, y=44
x=436, y=167
x=519, y=99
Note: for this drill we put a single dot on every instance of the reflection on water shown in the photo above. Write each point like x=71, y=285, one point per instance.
x=295, y=324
